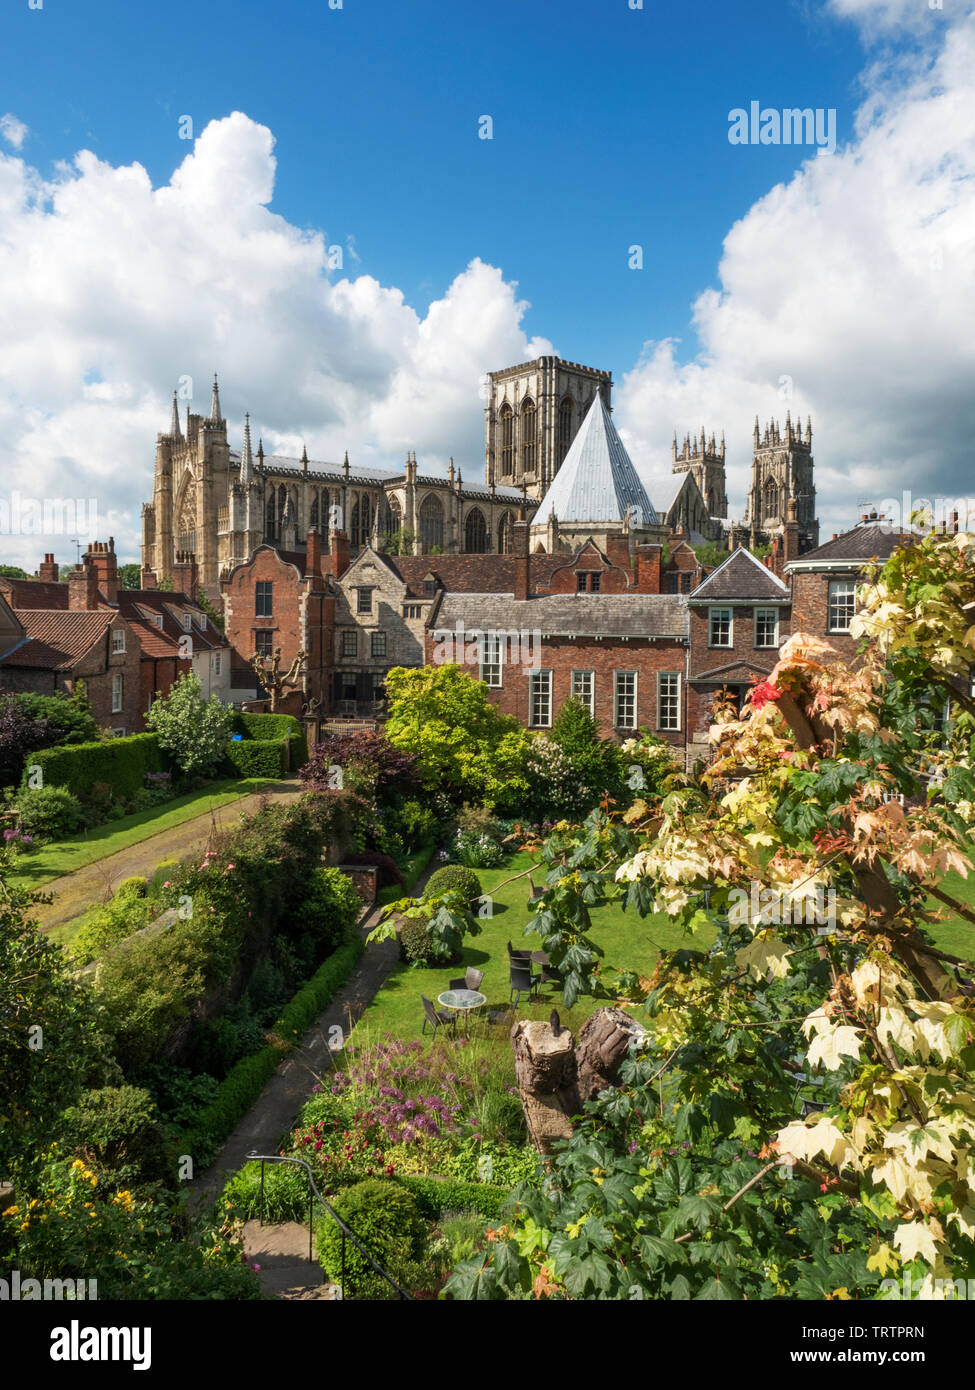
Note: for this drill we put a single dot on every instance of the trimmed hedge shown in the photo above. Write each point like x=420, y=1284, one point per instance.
x=434, y=1196
x=120, y=762
x=274, y=726
x=265, y=757
x=245, y=1081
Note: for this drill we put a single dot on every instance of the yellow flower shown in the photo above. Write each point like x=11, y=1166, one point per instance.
x=77, y=1163
x=12, y=1211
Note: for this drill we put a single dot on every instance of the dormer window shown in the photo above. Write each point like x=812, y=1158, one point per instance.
x=429, y=588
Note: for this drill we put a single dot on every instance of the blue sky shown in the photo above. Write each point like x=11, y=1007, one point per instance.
x=775, y=277
x=610, y=129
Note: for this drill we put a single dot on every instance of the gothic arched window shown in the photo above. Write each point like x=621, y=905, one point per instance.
x=431, y=523
x=324, y=514
x=270, y=518
x=361, y=522
x=507, y=440
x=565, y=427
x=282, y=503
x=505, y=534
x=528, y=435
x=394, y=518
x=770, y=498
x=313, y=513
x=475, y=532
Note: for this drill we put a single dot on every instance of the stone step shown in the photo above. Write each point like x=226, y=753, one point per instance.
x=280, y=1250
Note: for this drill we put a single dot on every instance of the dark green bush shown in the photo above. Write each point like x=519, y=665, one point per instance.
x=274, y=726
x=453, y=877
x=258, y=757
x=415, y=945
x=385, y=1219
x=68, y=717
x=434, y=1196
x=116, y=1131
x=122, y=763
x=49, y=813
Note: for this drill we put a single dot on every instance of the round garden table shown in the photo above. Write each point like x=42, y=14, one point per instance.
x=462, y=1001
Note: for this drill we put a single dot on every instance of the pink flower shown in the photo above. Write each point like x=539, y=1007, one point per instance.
x=231, y=866
x=167, y=884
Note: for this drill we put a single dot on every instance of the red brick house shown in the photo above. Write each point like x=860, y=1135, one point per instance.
x=739, y=616
x=285, y=600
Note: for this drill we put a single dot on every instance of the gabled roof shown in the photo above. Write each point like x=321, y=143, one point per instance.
x=470, y=574
x=747, y=668
x=160, y=641
x=870, y=540
x=741, y=576
x=597, y=481
x=57, y=640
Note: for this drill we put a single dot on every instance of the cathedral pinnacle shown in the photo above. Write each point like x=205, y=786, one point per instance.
x=215, y=401
x=246, y=459
x=174, y=428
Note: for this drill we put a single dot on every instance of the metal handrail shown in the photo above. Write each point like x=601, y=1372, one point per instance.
x=347, y=1232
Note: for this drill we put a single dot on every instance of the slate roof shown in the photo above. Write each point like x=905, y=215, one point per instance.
x=741, y=576
x=579, y=615
x=335, y=473
x=597, y=481
x=471, y=574
x=57, y=640
x=867, y=541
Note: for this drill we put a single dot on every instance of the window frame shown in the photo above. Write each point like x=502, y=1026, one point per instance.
x=766, y=646
x=118, y=692
x=350, y=648
x=663, y=699
x=264, y=598
x=851, y=597
x=490, y=661
x=712, y=616
x=367, y=590
x=261, y=635
x=588, y=700
x=545, y=694
x=378, y=636
x=618, y=696
x=118, y=641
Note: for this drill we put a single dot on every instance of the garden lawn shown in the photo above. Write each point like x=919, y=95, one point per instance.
x=954, y=934
x=628, y=942
x=61, y=857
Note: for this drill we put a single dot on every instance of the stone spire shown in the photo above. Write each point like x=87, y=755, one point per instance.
x=246, y=458
x=215, y=401
x=260, y=452
x=304, y=458
x=174, y=428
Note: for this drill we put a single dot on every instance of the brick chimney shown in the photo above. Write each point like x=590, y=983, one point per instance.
x=48, y=569
x=618, y=550
x=186, y=574
x=338, y=546
x=775, y=559
x=648, y=567
x=521, y=545
x=148, y=579
x=791, y=533
x=103, y=561
x=83, y=587
x=313, y=556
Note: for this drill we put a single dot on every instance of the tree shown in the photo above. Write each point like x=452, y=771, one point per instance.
x=216, y=618
x=12, y=572
x=68, y=718
x=268, y=672
x=370, y=762
x=131, y=576
x=710, y=555
x=798, y=1119
x=464, y=745
x=20, y=734
x=193, y=731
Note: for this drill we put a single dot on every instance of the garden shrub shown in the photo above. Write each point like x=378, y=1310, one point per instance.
x=456, y=877
x=192, y=731
x=274, y=726
x=133, y=887
x=121, y=763
x=331, y=906
x=107, y=924
x=49, y=813
x=265, y=757
x=285, y=1193
x=116, y=1131
x=477, y=850
x=416, y=823
x=478, y=820
x=386, y=1221
x=434, y=1196
x=68, y=717
x=414, y=943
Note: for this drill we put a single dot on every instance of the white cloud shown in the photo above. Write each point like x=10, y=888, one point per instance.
x=12, y=130
x=111, y=290
x=855, y=281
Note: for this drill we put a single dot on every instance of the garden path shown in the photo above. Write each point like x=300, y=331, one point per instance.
x=280, y=1255
x=74, y=893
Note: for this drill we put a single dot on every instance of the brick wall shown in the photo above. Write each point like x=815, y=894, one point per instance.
x=748, y=663
x=810, y=604
x=97, y=670
x=564, y=655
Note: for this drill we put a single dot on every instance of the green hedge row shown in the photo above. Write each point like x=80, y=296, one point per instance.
x=265, y=757
x=245, y=1081
x=434, y=1196
x=122, y=763
x=264, y=726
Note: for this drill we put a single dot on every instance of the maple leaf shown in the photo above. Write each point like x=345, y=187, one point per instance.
x=831, y=1047
x=543, y=1284
x=882, y=1258
x=914, y=1240
x=761, y=956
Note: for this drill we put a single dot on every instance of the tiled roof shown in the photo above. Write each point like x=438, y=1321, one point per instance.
x=580, y=615
x=867, y=541
x=163, y=640
x=58, y=640
x=35, y=593
x=741, y=576
x=471, y=574
x=597, y=481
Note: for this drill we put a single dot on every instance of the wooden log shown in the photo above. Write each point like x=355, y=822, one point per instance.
x=604, y=1040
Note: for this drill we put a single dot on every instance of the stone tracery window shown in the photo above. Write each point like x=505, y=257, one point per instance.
x=507, y=440
x=431, y=523
x=475, y=532
x=505, y=534
x=528, y=422
x=565, y=427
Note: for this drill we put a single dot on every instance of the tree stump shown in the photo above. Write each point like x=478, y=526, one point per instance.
x=556, y=1078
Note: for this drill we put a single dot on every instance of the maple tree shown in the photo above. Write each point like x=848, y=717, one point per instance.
x=799, y=1117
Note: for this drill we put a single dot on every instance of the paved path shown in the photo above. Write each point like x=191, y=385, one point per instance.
x=74, y=893
x=280, y=1255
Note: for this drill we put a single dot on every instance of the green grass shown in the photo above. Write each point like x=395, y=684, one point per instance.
x=64, y=856
x=954, y=934
x=628, y=942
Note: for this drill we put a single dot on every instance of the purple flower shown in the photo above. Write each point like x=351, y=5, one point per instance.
x=633, y=1147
